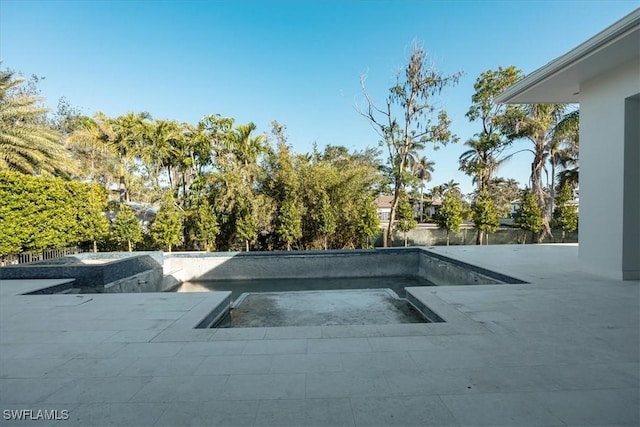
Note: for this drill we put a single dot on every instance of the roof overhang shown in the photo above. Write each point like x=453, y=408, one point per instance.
x=559, y=81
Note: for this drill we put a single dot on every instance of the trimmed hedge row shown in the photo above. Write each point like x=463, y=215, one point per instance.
x=38, y=213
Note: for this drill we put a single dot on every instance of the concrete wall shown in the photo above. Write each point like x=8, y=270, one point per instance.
x=85, y=275
x=603, y=189
x=443, y=273
x=631, y=220
x=504, y=236
x=147, y=281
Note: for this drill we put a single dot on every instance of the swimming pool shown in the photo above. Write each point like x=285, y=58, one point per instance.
x=238, y=287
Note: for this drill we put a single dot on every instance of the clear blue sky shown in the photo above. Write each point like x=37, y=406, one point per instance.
x=298, y=62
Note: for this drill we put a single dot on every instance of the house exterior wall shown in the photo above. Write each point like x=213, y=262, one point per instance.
x=602, y=172
x=384, y=214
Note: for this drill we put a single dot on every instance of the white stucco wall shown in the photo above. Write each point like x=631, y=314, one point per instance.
x=602, y=163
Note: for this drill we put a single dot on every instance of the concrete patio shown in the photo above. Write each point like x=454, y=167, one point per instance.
x=561, y=350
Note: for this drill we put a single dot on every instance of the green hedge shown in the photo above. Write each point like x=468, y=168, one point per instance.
x=38, y=213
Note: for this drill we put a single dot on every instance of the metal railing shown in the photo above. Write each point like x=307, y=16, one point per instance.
x=25, y=257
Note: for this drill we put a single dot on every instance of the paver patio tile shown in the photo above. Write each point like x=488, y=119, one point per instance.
x=431, y=382
x=28, y=368
x=212, y=348
x=265, y=386
x=276, y=346
x=238, y=364
x=406, y=411
x=289, y=363
x=338, y=345
x=499, y=409
x=377, y=362
x=98, y=390
x=186, y=388
x=209, y=413
x=306, y=412
x=346, y=384
x=150, y=349
x=161, y=366
x=594, y=407
x=231, y=334
x=29, y=390
x=115, y=414
x=90, y=367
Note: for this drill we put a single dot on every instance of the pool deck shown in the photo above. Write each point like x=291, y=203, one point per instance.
x=561, y=350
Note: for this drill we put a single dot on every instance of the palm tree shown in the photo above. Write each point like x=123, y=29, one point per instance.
x=422, y=170
x=451, y=186
x=563, y=152
x=127, y=143
x=245, y=149
x=27, y=143
x=482, y=161
x=538, y=126
x=159, y=148
x=90, y=144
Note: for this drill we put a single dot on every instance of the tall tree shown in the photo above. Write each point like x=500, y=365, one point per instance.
x=166, y=228
x=529, y=216
x=565, y=216
x=538, y=127
x=485, y=214
x=27, y=143
x=453, y=187
x=284, y=188
x=405, y=123
x=450, y=215
x=502, y=192
x=90, y=142
x=563, y=151
x=406, y=217
x=93, y=225
x=246, y=147
x=127, y=143
x=487, y=149
x=205, y=226
x=159, y=148
x=422, y=169
x=126, y=227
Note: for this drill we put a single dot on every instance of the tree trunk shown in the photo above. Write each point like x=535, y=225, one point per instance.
x=536, y=187
x=563, y=234
x=553, y=187
x=479, y=237
x=487, y=236
x=246, y=242
x=447, y=237
x=388, y=237
x=421, y=201
x=95, y=246
x=124, y=196
x=130, y=246
x=405, y=239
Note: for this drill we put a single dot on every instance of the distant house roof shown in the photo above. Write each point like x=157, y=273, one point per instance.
x=559, y=80
x=384, y=201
